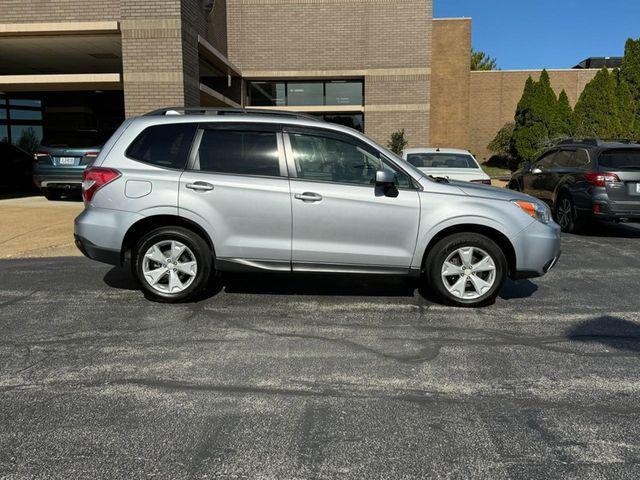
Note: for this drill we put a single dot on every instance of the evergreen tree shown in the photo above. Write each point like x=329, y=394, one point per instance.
x=627, y=112
x=566, y=127
x=630, y=74
x=537, y=119
x=597, y=111
x=397, y=142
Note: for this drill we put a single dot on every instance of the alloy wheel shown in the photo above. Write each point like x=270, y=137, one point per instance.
x=564, y=213
x=169, y=266
x=469, y=273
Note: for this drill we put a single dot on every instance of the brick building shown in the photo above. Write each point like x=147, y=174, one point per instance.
x=376, y=65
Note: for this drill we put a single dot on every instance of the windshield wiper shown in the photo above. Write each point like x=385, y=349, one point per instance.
x=439, y=179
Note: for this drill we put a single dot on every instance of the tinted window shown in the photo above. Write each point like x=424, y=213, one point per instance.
x=547, y=161
x=441, y=160
x=267, y=94
x=331, y=160
x=307, y=93
x=564, y=158
x=620, y=159
x=344, y=93
x=239, y=152
x=74, y=139
x=581, y=159
x=164, y=145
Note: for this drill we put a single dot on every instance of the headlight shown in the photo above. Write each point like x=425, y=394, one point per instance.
x=539, y=211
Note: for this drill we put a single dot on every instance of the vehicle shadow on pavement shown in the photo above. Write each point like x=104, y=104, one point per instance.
x=305, y=284
x=611, y=331
x=611, y=230
x=516, y=290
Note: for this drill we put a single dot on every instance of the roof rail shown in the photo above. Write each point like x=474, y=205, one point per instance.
x=228, y=111
x=588, y=141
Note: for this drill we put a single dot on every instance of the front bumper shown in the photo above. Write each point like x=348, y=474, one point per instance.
x=537, y=249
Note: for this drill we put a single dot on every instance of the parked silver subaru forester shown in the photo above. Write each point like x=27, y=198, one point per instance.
x=182, y=193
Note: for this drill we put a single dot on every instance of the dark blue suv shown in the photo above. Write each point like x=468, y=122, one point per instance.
x=62, y=158
x=584, y=180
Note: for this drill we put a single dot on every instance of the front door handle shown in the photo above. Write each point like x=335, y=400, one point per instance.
x=200, y=186
x=308, y=197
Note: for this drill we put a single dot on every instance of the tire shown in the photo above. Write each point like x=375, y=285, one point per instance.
x=50, y=194
x=466, y=282
x=566, y=215
x=175, y=277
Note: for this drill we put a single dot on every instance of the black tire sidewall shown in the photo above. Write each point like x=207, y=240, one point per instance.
x=445, y=247
x=200, y=249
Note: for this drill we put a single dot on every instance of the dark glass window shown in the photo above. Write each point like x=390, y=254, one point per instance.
x=355, y=121
x=239, y=152
x=547, y=161
x=163, y=145
x=25, y=114
x=267, y=94
x=623, y=159
x=305, y=93
x=564, y=158
x=331, y=160
x=441, y=160
x=344, y=93
x=581, y=159
x=4, y=133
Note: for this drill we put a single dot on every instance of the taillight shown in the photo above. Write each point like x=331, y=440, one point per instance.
x=600, y=179
x=94, y=178
x=89, y=157
x=483, y=182
x=42, y=157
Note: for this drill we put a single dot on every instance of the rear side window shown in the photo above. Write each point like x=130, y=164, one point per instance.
x=239, y=152
x=164, y=145
x=624, y=159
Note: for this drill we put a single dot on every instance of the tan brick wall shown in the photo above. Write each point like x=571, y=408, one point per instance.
x=217, y=31
x=450, y=83
x=495, y=96
x=151, y=55
x=23, y=11
x=345, y=36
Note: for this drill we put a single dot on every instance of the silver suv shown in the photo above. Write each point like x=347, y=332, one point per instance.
x=183, y=193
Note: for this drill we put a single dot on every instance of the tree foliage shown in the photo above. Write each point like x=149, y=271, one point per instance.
x=541, y=117
x=28, y=140
x=398, y=142
x=501, y=144
x=606, y=109
x=481, y=61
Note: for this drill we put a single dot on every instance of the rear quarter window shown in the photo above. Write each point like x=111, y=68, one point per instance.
x=165, y=146
x=622, y=159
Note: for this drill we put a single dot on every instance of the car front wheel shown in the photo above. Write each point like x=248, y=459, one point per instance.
x=466, y=270
x=173, y=264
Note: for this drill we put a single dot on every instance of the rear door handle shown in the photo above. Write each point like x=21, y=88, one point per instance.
x=200, y=186
x=308, y=197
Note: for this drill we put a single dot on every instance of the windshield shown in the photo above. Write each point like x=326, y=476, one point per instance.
x=441, y=160
x=626, y=159
x=73, y=139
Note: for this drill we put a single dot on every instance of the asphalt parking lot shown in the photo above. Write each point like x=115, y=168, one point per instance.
x=323, y=378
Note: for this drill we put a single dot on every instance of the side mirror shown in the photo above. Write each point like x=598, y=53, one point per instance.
x=387, y=182
x=385, y=178
x=536, y=171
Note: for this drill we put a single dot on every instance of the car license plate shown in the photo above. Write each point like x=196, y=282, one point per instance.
x=67, y=161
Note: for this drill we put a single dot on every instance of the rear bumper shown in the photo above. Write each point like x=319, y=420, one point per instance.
x=57, y=177
x=538, y=250
x=94, y=252
x=100, y=232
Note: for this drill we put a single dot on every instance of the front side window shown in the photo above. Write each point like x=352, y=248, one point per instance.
x=328, y=159
x=239, y=152
x=163, y=145
x=547, y=161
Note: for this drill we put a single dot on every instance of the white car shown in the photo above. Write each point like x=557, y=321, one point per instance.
x=447, y=162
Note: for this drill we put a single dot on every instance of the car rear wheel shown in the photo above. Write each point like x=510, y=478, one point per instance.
x=566, y=215
x=173, y=264
x=466, y=270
